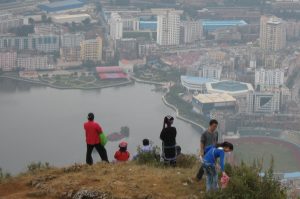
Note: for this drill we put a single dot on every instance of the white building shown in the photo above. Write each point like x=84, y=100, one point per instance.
x=8, y=60
x=213, y=72
x=44, y=42
x=8, y=21
x=168, y=27
x=130, y=23
x=191, y=31
x=266, y=78
x=40, y=42
x=67, y=18
x=115, y=26
x=33, y=62
x=263, y=102
x=196, y=84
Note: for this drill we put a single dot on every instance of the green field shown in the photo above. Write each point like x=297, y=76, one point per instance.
x=283, y=157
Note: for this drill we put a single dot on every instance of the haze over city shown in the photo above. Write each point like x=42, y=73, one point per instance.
x=135, y=65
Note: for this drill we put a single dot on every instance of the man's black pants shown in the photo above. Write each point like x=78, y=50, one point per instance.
x=200, y=173
x=100, y=149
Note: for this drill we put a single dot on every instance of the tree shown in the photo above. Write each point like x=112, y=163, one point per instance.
x=23, y=31
x=31, y=21
x=86, y=22
x=44, y=18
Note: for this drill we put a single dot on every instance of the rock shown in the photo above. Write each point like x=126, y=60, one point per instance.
x=185, y=184
x=89, y=194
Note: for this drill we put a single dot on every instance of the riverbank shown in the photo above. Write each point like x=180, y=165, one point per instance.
x=179, y=116
x=38, y=82
x=177, y=111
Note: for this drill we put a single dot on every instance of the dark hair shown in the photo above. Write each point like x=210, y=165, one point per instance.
x=225, y=144
x=123, y=149
x=213, y=121
x=167, y=120
x=91, y=116
x=146, y=142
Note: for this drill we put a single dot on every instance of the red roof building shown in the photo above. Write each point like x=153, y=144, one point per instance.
x=111, y=72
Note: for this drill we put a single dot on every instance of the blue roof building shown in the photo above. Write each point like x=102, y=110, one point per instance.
x=196, y=83
x=62, y=5
x=212, y=25
x=148, y=25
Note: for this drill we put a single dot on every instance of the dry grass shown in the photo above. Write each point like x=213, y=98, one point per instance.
x=121, y=180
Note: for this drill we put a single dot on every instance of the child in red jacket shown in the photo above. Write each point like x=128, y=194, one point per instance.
x=122, y=155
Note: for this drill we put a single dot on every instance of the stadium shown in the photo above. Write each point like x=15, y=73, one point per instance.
x=286, y=155
x=233, y=88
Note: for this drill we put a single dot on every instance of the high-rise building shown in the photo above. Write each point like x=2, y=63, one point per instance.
x=191, y=31
x=168, y=27
x=70, y=46
x=71, y=39
x=272, y=33
x=115, y=26
x=213, y=72
x=8, y=60
x=268, y=78
x=91, y=50
x=264, y=102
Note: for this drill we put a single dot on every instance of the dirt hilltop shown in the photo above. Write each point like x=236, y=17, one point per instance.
x=104, y=181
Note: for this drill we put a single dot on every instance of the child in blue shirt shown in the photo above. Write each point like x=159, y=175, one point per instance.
x=213, y=152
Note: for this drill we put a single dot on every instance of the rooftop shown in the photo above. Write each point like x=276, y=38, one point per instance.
x=223, y=22
x=214, y=98
x=67, y=16
x=229, y=86
x=62, y=5
x=197, y=80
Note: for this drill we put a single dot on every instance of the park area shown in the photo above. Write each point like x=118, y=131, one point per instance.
x=286, y=155
x=80, y=82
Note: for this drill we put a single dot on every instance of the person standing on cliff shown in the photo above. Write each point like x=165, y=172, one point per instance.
x=168, y=137
x=208, y=137
x=92, y=132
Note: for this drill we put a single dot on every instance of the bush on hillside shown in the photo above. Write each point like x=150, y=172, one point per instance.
x=37, y=166
x=186, y=161
x=246, y=183
x=154, y=159
x=151, y=158
x=4, y=175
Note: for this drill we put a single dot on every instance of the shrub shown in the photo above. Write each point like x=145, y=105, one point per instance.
x=4, y=175
x=186, y=161
x=151, y=158
x=37, y=166
x=245, y=182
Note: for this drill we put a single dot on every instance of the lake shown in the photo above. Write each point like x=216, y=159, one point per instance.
x=46, y=124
